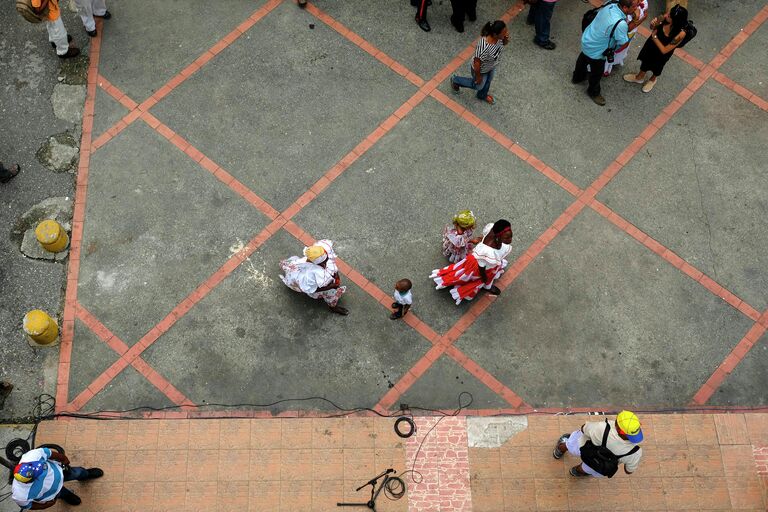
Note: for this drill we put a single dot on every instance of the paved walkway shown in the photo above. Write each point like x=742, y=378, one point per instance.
x=690, y=462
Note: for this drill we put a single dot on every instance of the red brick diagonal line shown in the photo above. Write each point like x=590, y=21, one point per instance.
x=171, y=318
x=507, y=143
x=588, y=195
x=676, y=261
x=367, y=286
x=742, y=91
x=183, y=75
x=119, y=346
x=365, y=45
x=209, y=165
x=76, y=236
x=731, y=361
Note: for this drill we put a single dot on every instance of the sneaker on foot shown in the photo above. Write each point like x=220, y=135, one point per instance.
x=424, y=25
x=72, y=499
x=72, y=52
x=95, y=473
x=630, y=77
x=599, y=100
x=649, y=85
x=549, y=45
x=556, y=453
x=577, y=474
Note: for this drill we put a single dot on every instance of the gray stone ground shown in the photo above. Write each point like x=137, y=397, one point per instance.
x=34, y=105
x=596, y=320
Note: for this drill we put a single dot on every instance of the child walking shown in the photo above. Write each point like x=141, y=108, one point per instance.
x=403, y=299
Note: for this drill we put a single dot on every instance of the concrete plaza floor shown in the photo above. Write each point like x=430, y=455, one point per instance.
x=219, y=138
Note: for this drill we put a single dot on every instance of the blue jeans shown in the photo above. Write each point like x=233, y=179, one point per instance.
x=469, y=82
x=540, y=15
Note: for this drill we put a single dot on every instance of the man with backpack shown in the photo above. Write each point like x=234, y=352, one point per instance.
x=603, y=35
x=37, y=11
x=603, y=445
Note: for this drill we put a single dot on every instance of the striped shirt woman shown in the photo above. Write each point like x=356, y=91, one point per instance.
x=494, y=37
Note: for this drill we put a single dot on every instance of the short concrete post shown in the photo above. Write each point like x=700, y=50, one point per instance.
x=41, y=328
x=51, y=236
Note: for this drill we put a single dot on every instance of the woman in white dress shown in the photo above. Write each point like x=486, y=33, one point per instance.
x=316, y=275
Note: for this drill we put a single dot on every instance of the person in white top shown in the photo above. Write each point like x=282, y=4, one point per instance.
x=479, y=269
x=316, y=275
x=624, y=436
x=403, y=298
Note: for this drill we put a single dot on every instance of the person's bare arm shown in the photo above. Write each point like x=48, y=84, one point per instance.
x=59, y=457
x=476, y=63
x=666, y=48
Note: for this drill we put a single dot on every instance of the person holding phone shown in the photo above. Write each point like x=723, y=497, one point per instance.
x=493, y=38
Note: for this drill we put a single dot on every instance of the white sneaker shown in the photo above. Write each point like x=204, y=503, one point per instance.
x=630, y=77
x=649, y=85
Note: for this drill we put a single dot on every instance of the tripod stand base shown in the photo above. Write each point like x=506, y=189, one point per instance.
x=371, y=505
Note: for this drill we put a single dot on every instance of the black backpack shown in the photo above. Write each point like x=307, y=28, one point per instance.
x=589, y=16
x=690, y=33
x=600, y=458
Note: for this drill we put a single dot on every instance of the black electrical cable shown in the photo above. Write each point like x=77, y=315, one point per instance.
x=413, y=472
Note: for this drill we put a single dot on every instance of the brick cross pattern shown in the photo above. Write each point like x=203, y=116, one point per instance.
x=581, y=199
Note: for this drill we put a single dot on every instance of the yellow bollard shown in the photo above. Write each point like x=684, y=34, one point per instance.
x=40, y=327
x=51, y=236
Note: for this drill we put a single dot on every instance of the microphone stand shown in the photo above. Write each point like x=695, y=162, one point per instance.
x=371, y=504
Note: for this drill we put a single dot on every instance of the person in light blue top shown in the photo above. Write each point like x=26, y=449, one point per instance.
x=607, y=31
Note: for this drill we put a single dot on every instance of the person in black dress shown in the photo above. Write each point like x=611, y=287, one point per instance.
x=667, y=34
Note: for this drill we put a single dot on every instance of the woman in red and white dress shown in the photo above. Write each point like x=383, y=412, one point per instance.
x=481, y=267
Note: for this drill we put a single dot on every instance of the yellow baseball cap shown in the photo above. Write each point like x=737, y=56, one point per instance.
x=629, y=423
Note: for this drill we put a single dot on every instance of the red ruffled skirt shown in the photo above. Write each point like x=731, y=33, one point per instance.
x=464, y=278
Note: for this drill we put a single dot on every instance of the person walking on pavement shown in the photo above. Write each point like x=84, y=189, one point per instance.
x=540, y=16
x=493, y=38
x=421, y=13
x=607, y=32
x=38, y=479
x=89, y=9
x=7, y=174
x=463, y=9
x=603, y=445
x=57, y=33
x=480, y=269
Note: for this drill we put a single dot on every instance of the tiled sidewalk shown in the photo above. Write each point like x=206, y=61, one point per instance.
x=691, y=462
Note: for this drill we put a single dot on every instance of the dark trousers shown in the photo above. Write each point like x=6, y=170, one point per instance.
x=463, y=9
x=421, y=9
x=73, y=473
x=596, y=67
x=540, y=14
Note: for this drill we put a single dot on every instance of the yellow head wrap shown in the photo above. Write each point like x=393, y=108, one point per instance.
x=314, y=253
x=465, y=219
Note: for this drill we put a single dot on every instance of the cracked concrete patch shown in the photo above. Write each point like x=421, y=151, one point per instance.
x=55, y=208
x=493, y=432
x=59, y=152
x=68, y=101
